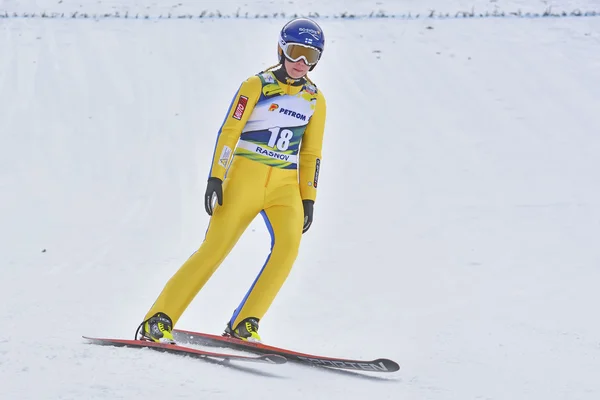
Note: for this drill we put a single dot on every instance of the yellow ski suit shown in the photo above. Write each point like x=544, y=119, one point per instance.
x=276, y=129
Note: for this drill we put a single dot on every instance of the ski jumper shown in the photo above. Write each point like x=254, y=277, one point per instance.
x=268, y=153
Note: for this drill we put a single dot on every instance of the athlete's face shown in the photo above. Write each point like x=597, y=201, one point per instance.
x=296, y=69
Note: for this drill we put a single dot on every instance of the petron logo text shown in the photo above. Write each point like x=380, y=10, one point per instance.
x=292, y=114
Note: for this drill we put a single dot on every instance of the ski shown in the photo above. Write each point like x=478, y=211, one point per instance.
x=187, y=351
x=206, y=339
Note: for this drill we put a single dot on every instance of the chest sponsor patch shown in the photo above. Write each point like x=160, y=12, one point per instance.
x=240, y=108
x=268, y=78
x=310, y=89
x=293, y=114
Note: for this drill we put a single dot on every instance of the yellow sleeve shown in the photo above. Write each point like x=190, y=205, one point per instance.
x=239, y=111
x=310, y=151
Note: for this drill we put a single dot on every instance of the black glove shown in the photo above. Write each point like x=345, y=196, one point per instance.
x=308, y=214
x=213, y=188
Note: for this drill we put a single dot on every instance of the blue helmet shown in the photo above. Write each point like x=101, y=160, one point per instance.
x=301, y=38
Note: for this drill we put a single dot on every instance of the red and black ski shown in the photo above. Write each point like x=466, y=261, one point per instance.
x=206, y=339
x=187, y=351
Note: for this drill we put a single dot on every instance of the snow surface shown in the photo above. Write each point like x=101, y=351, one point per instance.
x=456, y=228
x=221, y=8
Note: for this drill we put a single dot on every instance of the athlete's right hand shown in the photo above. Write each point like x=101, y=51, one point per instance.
x=214, y=188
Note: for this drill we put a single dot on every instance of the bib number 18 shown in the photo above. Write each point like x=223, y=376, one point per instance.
x=280, y=138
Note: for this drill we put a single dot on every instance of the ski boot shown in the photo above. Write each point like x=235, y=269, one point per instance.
x=246, y=330
x=157, y=329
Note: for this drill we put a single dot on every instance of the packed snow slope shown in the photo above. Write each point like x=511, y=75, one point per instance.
x=456, y=227
x=223, y=9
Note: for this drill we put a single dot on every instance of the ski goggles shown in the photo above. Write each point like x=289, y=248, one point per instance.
x=296, y=52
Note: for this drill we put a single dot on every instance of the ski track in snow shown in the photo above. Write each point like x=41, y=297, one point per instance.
x=455, y=229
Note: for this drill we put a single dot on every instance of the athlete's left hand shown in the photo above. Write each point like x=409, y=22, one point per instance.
x=214, y=189
x=308, y=214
